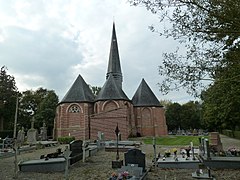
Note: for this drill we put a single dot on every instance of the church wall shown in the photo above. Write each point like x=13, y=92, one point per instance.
x=108, y=114
x=72, y=120
x=150, y=121
x=160, y=121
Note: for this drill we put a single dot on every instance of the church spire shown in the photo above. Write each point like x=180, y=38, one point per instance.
x=114, y=66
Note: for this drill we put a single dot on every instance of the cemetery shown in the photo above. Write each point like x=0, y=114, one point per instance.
x=135, y=162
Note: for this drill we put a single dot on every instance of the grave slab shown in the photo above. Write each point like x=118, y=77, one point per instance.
x=42, y=165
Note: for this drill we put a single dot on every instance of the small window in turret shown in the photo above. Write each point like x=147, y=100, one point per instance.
x=74, y=109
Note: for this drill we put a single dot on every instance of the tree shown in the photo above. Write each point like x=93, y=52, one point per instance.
x=8, y=95
x=46, y=111
x=40, y=104
x=173, y=116
x=209, y=29
x=186, y=116
x=222, y=99
x=165, y=103
x=190, y=115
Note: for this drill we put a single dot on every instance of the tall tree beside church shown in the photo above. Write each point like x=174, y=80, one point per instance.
x=222, y=99
x=208, y=29
x=8, y=94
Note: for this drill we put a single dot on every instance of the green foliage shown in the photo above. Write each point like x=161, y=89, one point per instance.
x=166, y=103
x=175, y=140
x=41, y=104
x=173, y=117
x=210, y=33
x=222, y=99
x=8, y=95
x=208, y=30
x=65, y=139
x=186, y=116
x=233, y=134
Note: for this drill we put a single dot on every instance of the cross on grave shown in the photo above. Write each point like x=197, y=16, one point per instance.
x=117, y=132
x=32, y=123
x=118, y=163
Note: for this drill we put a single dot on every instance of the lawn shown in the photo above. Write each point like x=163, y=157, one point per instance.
x=172, y=140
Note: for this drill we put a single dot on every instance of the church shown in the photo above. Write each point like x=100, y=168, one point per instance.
x=82, y=115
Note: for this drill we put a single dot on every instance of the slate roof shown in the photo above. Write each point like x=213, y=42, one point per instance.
x=114, y=66
x=79, y=92
x=111, y=90
x=144, y=96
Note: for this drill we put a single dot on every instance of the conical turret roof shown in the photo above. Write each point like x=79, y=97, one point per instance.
x=79, y=92
x=144, y=96
x=111, y=91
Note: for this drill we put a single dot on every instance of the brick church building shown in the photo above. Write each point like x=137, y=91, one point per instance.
x=82, y=115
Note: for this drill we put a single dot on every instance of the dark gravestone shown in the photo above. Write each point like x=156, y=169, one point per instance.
x=77, y=152
x=135, y=156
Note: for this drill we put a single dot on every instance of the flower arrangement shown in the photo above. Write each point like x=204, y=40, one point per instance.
x=234, y=151
x=167, y=153
x=121, y=176
x=174, y=150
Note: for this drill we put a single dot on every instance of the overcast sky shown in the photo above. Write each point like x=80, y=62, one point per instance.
x=47, y=43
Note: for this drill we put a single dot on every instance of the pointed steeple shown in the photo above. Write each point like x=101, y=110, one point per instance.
x=114, y=66
x=144, y=96
x=79, y=92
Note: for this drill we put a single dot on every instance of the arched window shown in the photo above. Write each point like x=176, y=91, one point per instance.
x=74, y=109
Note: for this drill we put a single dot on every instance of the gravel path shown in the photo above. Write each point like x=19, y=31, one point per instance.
x=99, y=166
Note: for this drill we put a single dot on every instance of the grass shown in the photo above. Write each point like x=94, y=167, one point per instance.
x=174, y=140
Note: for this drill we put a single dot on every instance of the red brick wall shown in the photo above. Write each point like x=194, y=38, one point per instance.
x=108, y=114
x=150, y=121
x=72, y=123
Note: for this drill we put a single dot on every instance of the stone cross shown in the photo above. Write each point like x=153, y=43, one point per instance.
x=32, y=123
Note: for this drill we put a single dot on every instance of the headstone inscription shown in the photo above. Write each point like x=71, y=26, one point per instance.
x=135, y=156
x=77, y=151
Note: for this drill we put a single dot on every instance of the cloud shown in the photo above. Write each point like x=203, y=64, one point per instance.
x=48, y=43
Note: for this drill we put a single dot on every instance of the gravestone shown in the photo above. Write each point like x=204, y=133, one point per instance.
x=21, y=136
x=77, y=151
x=135, y=156
x=32, y=134
x=43, y=132
x=100, y=140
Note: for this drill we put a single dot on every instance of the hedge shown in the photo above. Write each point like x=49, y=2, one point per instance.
x=66, y=139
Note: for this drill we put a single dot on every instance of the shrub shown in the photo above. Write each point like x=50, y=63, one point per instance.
x=66, y=139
